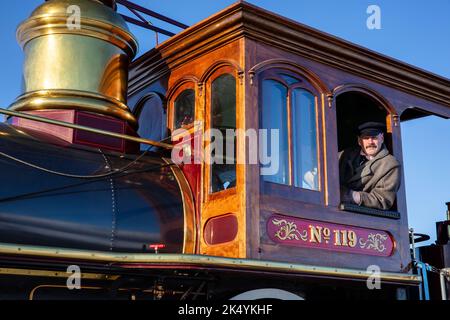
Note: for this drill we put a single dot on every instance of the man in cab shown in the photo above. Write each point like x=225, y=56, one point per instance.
x=369, y=175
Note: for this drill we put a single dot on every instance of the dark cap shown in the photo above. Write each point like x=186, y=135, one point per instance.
x=371, y=129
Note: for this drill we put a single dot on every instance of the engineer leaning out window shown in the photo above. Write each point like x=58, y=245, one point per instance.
x=369, y=175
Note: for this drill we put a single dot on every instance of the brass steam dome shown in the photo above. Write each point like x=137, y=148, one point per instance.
x=77, y=54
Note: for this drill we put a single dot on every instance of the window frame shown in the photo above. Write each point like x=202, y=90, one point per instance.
x=209, y=195
x=171, y=114
x=140, y=105
x=289, y=190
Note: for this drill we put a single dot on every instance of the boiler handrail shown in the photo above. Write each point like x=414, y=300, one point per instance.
x=85, y=128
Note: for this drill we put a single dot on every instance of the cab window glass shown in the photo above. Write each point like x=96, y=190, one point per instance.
x=223, y=118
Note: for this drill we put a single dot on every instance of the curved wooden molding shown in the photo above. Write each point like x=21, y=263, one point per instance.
x=220, y=64
x=291, y=66
x=179, y=83
x=351, y=87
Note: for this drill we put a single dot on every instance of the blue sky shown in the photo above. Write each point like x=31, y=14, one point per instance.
x=416, y=32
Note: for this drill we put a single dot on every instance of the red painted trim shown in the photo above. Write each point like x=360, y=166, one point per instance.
x=74, y=136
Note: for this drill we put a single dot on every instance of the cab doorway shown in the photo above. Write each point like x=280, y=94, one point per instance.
x=354, y=108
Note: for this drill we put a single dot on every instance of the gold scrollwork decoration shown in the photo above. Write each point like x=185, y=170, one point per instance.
x=374, y=241
x=289, y=231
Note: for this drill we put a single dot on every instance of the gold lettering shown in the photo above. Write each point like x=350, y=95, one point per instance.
x=315, y=234
x=352, y=238
x=344, y=238
x=337, y=238
x=326, y=233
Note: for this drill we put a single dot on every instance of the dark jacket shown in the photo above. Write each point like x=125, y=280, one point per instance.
x=377, y=179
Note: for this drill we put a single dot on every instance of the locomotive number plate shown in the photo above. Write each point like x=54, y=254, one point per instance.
x=322, y=235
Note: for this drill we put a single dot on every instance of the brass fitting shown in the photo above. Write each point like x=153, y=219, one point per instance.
x=77, y=54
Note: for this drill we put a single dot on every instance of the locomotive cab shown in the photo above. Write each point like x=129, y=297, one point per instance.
x=266, y=72
x=249, y=110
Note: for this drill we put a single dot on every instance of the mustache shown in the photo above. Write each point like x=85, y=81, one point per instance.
x=371, y=146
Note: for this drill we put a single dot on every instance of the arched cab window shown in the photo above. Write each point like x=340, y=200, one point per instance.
x=151, y=114
x=289, y=112
x=222, y=124
x=183, y=107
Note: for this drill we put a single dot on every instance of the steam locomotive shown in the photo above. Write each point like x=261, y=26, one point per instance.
x=90, y=184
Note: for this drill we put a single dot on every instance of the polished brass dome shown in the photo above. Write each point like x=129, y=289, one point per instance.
x=71, y=65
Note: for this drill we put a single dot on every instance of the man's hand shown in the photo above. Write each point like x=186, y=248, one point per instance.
x=356, y=197
x=351, y=196
x=346, y=195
